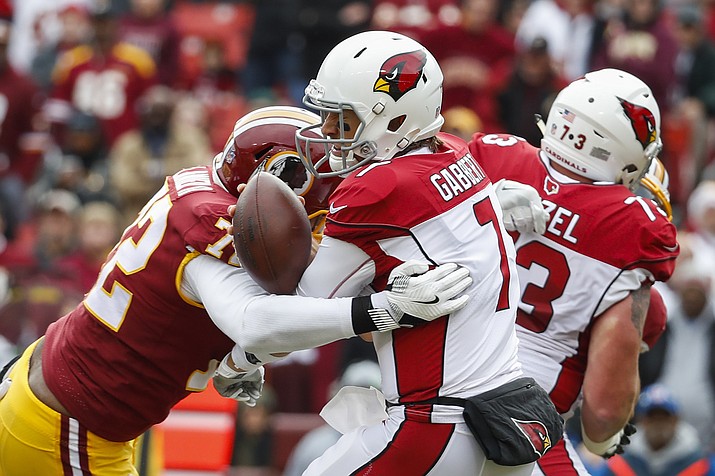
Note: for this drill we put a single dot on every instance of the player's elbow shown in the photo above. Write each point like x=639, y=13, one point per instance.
x=604, y=418
x=253, y=338
x=611, y=416
x=260, y=331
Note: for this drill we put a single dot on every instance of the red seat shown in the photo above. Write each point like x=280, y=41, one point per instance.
x=199, y=432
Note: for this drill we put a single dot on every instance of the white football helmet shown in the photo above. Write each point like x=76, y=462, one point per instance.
x=394, y=86
x=605, y=127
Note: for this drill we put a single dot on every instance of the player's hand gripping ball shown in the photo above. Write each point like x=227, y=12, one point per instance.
x=271, y=233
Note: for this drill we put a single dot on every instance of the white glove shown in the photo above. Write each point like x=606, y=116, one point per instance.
x=238, y=385
x=414, y=289
x=612, y=446
x=521, y=206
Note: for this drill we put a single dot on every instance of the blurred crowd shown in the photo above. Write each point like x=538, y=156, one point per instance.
x=100, y=100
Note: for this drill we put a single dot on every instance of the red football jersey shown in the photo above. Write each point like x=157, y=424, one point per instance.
x=597, y=237
x=136, y=346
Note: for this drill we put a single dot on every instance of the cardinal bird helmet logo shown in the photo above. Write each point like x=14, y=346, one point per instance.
x=642, y=121
x=400, y=73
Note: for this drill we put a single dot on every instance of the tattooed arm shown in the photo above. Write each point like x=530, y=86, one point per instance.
x=611, y=385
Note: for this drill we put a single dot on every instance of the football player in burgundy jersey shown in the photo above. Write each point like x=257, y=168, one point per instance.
x=410, y=192
x=585, y=283
x=168, y=305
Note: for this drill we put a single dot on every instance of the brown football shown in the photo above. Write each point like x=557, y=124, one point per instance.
x=272, y=234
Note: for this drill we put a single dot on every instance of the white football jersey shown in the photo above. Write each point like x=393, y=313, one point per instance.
x=435, y=208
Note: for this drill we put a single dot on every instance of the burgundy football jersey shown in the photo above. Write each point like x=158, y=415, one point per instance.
x=596, y=235
x=105, y=87
x=136, y=346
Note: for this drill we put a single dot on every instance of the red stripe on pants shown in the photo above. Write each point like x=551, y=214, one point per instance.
x=415, y=449
x=557, y=461
x=81, y=449
x=64, y=446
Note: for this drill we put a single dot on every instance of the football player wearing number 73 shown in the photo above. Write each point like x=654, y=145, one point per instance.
x=169, y=304
x=585, y=283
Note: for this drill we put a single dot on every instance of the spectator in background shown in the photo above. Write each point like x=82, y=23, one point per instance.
x=531, y=89
x=640, y=41
x=461, y=121
x=37, y=24
x=253, y=443
x=20, y=152
x=568, y=28
x=701, y=221
x=142, y=158
x=99, y=229
x=74, y=30
x=147, y=26
x=664, y=444
x=216, y=88
x=273, y=70
x=364, y=373
x=48, y=236
x=104, y=78
x=414, y=17
x=78, y=163
x=511, y=14
x=693, y=101
x=325, y=23
x=688, y=343
x=30, y=303
x=475, y=57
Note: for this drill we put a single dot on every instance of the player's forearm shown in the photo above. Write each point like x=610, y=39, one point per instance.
x=271, y=324
x=262, y=323
x=601, y=423
x=610, y=386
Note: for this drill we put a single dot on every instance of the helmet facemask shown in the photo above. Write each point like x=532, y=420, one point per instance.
x=339, y=151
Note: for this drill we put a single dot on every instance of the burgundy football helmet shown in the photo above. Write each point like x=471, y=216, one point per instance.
x=264, y=139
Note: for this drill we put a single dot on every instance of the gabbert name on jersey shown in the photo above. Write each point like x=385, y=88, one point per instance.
x=457, y=177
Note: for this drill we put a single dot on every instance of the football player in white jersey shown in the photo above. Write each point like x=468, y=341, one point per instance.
x=585, y=283
x=410, y=192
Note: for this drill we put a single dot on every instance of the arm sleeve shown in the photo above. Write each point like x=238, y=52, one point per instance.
x=340, y=269
x=259, y=322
